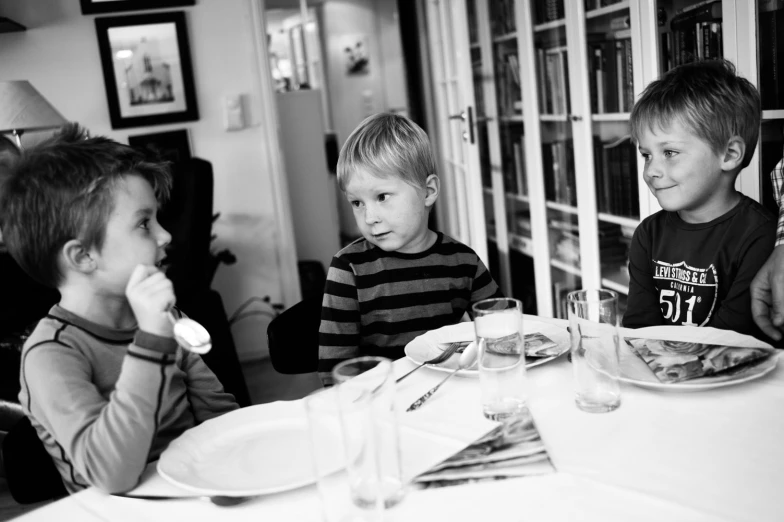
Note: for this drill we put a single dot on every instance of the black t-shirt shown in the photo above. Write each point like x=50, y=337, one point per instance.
x=698, y=273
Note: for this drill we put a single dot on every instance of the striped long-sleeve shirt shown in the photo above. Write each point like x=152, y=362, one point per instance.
x=375, y=302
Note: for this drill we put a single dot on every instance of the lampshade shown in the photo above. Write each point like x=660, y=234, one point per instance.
x=22, y=108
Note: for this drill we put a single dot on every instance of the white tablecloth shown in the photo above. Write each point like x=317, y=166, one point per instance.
x=709, y=455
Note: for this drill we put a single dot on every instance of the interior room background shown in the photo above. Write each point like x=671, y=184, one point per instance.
x=58, y=54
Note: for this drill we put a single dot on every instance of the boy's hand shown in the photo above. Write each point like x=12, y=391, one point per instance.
x=767, y=295
x=151, y=294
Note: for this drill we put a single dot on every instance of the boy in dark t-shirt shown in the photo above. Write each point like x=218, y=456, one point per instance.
x=692, y=262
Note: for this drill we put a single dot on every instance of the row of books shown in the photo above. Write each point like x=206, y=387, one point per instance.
x=695, y=34
x=508, y=81
x=615, y=171
x=515, y=176
x=611, y=74
x=553, y=80
x=502, y=14
x=548, y=11
x=771, y=53
x=558, y=166
x=564, y=238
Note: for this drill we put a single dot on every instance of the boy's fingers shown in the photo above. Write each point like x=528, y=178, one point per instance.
x=763, y=321
x=775, y=265
x=139, y=274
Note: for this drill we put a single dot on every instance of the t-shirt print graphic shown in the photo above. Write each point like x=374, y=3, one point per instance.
x=687, y=295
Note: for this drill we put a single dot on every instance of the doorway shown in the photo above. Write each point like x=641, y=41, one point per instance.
x=352, y=53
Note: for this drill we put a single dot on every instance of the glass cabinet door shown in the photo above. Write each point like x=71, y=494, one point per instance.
x=611, y=80
x=557, y=149
x=478, y=68
x=689, y=30
x=509, y=108
x=770, y=60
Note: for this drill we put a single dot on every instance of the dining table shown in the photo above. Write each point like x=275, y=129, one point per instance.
x=709, y=455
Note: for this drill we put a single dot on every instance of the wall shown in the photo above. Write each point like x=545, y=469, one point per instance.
x=355, y=97
x=59, y=55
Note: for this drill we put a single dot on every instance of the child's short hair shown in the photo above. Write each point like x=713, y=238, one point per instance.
x=708, y=97
x=387, y=144
x=62, y=189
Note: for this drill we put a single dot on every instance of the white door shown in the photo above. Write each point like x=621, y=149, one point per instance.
x=455, y=108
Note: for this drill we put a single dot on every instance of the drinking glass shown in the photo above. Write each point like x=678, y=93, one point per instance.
x=326, y=447
x=593, y=327
x=366, y=400
x=501, y=346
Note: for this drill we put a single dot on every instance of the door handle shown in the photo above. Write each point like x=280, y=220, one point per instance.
x=467, y=116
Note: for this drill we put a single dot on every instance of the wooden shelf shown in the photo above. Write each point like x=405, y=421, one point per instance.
x=9, y=26
x=566, y=267
x=555, y=24
x=619, y=220
x=562, y=207
x=618, y=281
x=773, y=115
x=518, y=197
x=611, y=116
x=602, y=11
x=505, y=38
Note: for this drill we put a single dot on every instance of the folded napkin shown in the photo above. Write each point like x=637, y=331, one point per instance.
x=678, y=355
x=541, y=339
x=510, y=450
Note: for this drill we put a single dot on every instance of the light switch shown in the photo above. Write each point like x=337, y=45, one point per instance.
x=233, y=118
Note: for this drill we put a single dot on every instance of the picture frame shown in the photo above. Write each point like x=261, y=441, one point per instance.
x=115, y=6
x=147, y=69
x=173, y=146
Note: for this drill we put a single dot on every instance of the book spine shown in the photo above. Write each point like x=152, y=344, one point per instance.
x=620, y=77
x=517, y=151
x=629, y=85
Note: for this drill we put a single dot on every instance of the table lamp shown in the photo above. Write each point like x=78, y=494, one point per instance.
x=22, y=108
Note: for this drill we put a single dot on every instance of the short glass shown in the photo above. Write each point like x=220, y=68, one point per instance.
x=366, y=400
x=501, y=353
x=593, y=327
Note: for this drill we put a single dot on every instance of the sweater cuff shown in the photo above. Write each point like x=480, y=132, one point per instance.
x=154, y=342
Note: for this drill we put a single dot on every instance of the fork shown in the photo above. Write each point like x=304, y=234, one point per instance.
x=218, y=500
x=441, y=357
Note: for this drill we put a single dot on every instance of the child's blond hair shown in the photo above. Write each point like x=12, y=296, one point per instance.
x=387, y=145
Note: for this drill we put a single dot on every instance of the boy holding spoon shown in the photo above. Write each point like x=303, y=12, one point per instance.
x=103, y=381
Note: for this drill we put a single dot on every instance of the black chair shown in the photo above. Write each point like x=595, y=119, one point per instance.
x=292, y=338
x=30, y=472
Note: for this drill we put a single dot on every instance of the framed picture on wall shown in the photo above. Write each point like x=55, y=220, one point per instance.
x=171, y=146
x=115, y=6
x=147, y=69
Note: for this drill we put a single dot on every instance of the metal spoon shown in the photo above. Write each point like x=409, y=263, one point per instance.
x=218, y=500
x=190, y=335
x=467, y=359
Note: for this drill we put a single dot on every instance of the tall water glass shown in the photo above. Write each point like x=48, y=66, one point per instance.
x=501, y=347
x=366, y=399
x=593, y=327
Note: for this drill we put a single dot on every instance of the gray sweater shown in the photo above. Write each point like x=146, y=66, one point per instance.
x=104, y=404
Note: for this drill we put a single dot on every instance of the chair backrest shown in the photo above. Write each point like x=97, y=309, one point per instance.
x=30, y=471
x=292, y=338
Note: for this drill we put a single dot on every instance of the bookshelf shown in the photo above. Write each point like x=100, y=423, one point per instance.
x=554, y=81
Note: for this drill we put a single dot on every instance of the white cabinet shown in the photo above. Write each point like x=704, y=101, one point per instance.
x=554, y=82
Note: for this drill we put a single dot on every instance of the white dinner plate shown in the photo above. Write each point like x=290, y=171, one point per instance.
x=251, y=451
x=428, y=345
x=635, y=371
